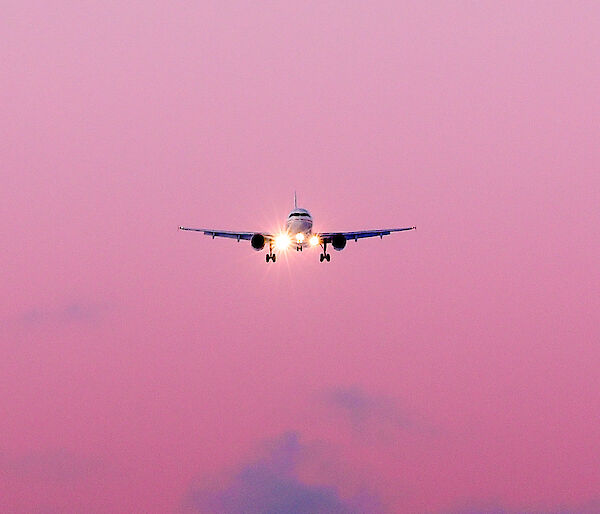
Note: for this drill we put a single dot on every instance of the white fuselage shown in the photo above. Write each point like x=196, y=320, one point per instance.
x=300, y=222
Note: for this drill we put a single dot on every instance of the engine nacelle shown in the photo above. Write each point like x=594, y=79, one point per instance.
x=258, y=242
x=338, y=241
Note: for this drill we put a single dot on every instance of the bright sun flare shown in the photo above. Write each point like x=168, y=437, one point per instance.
x=282, y=241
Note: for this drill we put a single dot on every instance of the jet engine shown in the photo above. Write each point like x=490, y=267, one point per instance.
x=338, y=241
x=258, y=242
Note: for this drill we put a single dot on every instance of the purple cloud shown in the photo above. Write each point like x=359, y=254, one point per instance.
x=49, y=465
x=497, y=507
x=363, y=409
x=73, y=312
x=272, y=485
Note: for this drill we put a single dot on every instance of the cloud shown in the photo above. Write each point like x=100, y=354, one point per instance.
x=497, y=507
x=71, y=313
x=365, y=410
x=49, y=465
x=271, y=485
x=590, y=507
x=480, y=507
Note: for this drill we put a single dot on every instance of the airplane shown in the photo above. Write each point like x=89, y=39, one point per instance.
x=298, y=234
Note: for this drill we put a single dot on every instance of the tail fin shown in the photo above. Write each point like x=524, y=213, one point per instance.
x=295, y=201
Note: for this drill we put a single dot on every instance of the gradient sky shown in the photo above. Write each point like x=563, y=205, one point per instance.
x=450, y=369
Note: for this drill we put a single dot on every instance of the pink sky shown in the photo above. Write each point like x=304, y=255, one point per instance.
x=451, y=369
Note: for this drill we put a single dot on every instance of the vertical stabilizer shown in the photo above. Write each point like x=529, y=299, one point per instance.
x=295, y=201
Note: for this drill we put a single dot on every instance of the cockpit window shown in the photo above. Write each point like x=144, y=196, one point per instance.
x=298, y=214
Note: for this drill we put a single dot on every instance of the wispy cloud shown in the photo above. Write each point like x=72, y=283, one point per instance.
x=499, y=507
x=75, y=312
x=365, y=410
x=480, y=507
x=271, y=485
x=49, y=465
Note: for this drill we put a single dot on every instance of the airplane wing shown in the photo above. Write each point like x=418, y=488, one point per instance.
x=360, y=234
x=226, y=233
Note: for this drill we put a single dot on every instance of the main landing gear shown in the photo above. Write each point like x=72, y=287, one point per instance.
x=324, y=256
x=271, y=256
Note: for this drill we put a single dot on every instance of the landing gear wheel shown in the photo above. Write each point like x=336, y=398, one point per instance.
x=268, y=257
x=321, y=257
x=328, y=257
x=274, y=258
